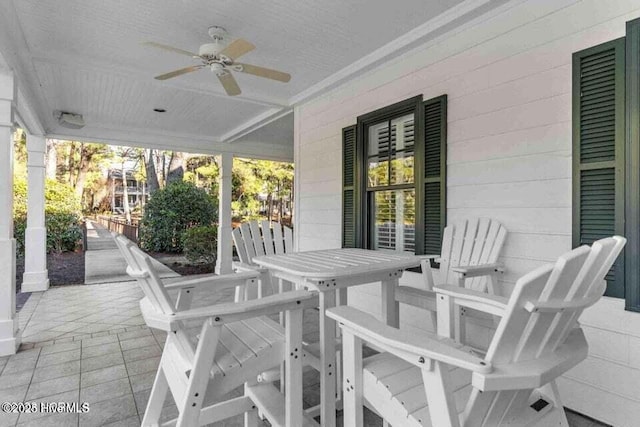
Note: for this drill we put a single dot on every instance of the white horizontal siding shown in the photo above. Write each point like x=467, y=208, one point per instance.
x=508, y=81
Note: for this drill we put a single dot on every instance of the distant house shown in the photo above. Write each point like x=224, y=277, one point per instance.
x=137, y=191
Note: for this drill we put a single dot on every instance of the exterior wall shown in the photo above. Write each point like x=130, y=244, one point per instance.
x=508, y=79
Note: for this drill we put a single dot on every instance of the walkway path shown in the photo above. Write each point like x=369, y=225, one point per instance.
x=103, y=262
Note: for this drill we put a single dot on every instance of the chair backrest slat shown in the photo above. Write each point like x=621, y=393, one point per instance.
x=256, y=237
x=238, y=241
x=245, y=230
x=288, y=239
x=278, y=239
x=267, y=236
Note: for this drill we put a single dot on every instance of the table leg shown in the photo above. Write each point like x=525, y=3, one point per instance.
x=390, y=307
x=327, y=361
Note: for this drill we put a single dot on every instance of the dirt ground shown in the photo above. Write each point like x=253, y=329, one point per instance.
x=180, y=265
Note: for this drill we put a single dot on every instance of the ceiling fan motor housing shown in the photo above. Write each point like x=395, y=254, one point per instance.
x=211, y=49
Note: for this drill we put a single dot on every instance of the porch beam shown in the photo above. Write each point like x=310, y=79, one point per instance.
x=9, y=333
x=225, y=247
x=36, y=276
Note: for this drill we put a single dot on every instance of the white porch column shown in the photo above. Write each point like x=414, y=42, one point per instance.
x=225, y=245
x=36, y=276
x=9, y=334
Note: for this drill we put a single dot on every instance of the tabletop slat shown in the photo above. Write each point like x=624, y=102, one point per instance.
x=337, y=263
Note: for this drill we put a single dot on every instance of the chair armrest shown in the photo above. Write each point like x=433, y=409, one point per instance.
x=218, y=282
x=535, y=373
x=492, y=304
x=418, y=349
x=479, y=270
x=416, y=297
x=243, y=266
x=235, y=311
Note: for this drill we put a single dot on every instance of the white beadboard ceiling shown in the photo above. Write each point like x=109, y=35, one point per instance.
x=87, y=57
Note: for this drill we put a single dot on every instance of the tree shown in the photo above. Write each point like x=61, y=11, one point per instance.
x=177, y=163
x=150, y=168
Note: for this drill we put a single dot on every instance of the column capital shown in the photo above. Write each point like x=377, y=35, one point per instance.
x=36, y=143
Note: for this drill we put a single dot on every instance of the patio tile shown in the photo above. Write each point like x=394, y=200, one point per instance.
x=142, y=381
x=56, y=371
x=60, y=347
x=109, y=411
x=129, y=422
x=100, y=362
x=105, y=391
x=137, y=342
x=19, y=365
x=142, y=353
x=68, y=396
x=100, y=350
x=52, y=420
x=143, y=365
x=57, y=358
x=90, y=342
x=54, y=386
x=134, y=334
x=27, y=354
x=102, y=375
x=7, y=420
x=14, y=394
x=15, y=379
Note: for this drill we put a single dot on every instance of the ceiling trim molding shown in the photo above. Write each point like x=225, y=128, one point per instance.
x=255, y=123
x=189, y=145
x=399, y=46
x=27, y=117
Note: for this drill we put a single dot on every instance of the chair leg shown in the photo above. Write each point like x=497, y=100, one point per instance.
x=251, y=418
x=156, y=399
x=352, y=382
x=199, y=377
x=557, y=417
x=293, y=368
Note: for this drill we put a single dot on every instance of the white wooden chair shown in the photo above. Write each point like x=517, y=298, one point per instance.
x=469, y=258
x=235, y=344
x=265, y=238
x=427, y=380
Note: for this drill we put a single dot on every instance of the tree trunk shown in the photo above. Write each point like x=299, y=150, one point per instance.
x=176, y=167
x=51, y=167
x=71, y=163
x=125, y=196
x=152, y=176
x=83, y=168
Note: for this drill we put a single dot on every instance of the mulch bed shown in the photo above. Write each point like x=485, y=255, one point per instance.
x=66, y=268
x=177, y=264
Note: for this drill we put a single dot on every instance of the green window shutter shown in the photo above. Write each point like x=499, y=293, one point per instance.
x=598, y=149
x=350, y=210
x=432, y=177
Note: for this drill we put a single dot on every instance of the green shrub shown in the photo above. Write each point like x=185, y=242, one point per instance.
x=170, y=212
x=62, y=216
x=200, y=244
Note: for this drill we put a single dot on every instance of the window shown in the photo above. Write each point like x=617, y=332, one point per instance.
x=394, y=177
x=606, y=154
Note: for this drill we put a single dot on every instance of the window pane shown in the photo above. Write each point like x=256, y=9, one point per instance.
x=402, y=167
x=378, y=138
x=394, y=220
x=402, y=133
x=378, y=171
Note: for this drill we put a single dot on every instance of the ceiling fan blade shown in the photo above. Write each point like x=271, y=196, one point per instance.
x=229, y=84
x=179, y=72
x=237, y=48
x=170, y=48
x=265, y=72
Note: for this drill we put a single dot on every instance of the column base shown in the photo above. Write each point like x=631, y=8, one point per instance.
x=10, y=337
x=35, y=281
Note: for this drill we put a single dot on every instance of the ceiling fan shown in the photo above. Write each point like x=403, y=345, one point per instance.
x=220, y=57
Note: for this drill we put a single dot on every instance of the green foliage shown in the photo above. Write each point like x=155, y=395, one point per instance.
x=62, y=215
x=171, y=211
x=200, y=244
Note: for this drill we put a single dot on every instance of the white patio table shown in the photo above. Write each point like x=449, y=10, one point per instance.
x=328, y=271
